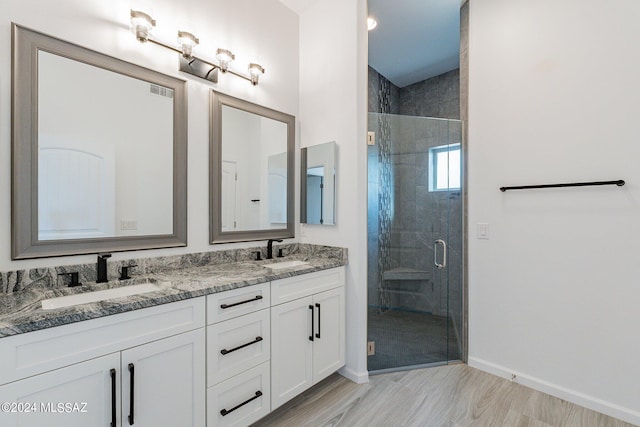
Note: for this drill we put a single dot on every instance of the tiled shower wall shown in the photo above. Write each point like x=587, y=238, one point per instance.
x=384, y=97
x=403, y=230
x=438, y=96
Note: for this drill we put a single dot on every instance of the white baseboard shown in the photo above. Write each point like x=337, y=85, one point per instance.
x=590, y=402
x=356, y=377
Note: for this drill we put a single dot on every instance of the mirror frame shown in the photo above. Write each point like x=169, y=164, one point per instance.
x=216, y=235
x=24, y=131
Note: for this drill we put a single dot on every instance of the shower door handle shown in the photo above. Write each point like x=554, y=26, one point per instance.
x=444, y=253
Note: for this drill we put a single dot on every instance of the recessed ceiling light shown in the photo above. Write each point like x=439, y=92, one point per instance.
x=371, y=23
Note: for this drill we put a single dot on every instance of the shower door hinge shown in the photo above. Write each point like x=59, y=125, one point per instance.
x=371, y=348
x=371, y=138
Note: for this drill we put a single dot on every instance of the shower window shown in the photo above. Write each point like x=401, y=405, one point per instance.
x=445, y=168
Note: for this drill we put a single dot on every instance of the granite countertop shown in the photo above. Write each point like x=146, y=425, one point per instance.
x=22, y=312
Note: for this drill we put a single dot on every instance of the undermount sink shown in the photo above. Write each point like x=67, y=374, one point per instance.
x=87, y=297
x=277, y=266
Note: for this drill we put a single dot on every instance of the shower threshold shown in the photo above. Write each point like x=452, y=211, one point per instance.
x=413, y=367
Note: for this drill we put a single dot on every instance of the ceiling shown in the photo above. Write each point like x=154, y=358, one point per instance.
x=298, y=6
x=414, y=39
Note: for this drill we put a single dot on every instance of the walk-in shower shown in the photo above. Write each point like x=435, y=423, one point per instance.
x=415, y=238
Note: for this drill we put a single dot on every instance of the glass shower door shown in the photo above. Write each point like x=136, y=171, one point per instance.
x=415, y=238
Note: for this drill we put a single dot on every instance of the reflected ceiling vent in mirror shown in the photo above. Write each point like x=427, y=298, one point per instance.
x=142, y=23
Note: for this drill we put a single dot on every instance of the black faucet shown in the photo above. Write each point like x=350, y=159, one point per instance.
x=124, y=272
x=102, y=268
x=270, y=247
x=74, y=278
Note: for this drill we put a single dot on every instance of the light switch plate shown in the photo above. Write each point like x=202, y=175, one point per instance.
x=128, y=225
x=483, y=230
x=371, y=138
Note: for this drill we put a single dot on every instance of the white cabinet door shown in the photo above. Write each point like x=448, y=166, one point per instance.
x=329, y=335
x=81, y=395
x=167, y=378
x=291, y=350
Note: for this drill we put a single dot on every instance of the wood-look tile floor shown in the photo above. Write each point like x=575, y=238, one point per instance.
x=454, y=395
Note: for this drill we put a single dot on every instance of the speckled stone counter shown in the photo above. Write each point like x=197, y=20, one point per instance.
x=179, y=278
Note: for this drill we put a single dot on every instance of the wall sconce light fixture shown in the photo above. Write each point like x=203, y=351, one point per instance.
x=187, y=42
x=143, y=23
x=224, y=58
x=255, y=71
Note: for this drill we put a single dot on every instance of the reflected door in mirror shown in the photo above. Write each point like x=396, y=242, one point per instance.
x=256, y=146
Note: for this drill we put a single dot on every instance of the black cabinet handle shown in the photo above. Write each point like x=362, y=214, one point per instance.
x=257, y=298
x=225, y=351
x=113, y=397
x=312, y=327
x=131, y=376
x=318, y=334
x=225, y=412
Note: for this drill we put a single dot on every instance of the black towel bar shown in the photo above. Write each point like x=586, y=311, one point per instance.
x=619, y=183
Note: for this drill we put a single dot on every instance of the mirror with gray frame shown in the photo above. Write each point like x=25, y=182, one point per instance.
x=318, y=184
x=99, y=152
x=251, y=171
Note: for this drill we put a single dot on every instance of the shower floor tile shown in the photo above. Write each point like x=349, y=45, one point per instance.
x=406, y=338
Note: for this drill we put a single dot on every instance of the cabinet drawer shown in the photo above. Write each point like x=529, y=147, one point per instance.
x=36, y=352
x=291, y=288
x=229, y=304
x=245, y=341
x=242, y=399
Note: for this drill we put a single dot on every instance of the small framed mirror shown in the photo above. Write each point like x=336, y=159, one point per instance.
x=99, y=152
x=251, y=171
x=318, y=184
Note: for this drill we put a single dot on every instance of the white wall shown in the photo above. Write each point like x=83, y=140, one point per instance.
x=264, y=31
x=333, y=107
x=554, y=293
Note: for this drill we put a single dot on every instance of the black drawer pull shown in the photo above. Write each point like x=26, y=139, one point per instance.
x=131, y=389
x=113, y=397
x=257, y=298
x=225, y=351
x=312, y=327
x=225, y=412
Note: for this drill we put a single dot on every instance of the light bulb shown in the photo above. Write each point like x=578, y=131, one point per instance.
x=142, y=23
x=187, y=42
x=224, y=57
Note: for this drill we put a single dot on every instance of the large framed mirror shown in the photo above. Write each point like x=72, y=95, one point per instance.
x=251, y=171
x=99, y=152
x=318, y=184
